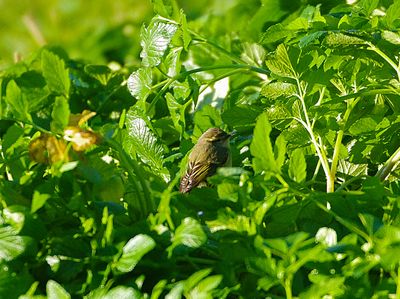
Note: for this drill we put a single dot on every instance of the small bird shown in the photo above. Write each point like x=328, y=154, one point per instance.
x=210, y=152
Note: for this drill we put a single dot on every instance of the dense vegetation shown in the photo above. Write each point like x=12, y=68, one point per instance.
x=92, y=154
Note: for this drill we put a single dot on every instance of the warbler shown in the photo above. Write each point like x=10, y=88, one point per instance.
x=210, y=152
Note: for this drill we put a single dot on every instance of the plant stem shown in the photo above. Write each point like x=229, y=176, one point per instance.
x=135, y=173
x=387, y=58
x=288, y=287
x=389, y=165
x=335, y=158
x=203, y=69
x=318, y=147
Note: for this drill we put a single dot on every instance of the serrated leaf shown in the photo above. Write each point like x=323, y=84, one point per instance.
x=60, y=114
x=143, y=142
x=297, y=166
x=352, y=169
x=276, y=32
x=139, y=84
x=239, y=116
x=228, y=220
x=177, y=112
x=275, y=90
x=363, y=125
x=189, y=233
x=280, y=64
x=369, y=6
x=17, y=102
x=155, y=40
x=55, y=73
x=261, y=147
x=340, y=39
x=309, y=38
x=102, y=73
x=11, y=244
x=133, y=251
x=55, y=291
x=393, y=14
x=391, y=37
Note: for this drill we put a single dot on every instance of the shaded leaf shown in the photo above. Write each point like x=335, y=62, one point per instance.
x=261, y=147
x=297, y=166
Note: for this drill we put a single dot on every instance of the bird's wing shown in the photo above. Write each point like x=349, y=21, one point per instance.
x=195, y=174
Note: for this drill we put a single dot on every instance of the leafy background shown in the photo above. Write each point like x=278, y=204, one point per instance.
x=101, y=103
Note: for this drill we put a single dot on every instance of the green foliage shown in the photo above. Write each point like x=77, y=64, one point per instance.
x=91, y=157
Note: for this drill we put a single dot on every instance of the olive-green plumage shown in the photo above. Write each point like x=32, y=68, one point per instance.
x=210, y=152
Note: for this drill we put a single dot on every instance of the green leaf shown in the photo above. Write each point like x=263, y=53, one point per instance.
x=280, y=64
x=177, y=108
x=261, y=147
x=139, y=84
x=155, y=40
x=205, y=287
x=309, y=38
x=11, y=244
x=60, y=114
x=340, y=39
x=122, y=292
x=144, y=143
x=195, y=278
x=189, y=233
x=393, y=15
x=10, y=138
x=363, y=125
x=391, y=37
x=102, y=73
x=55, y=73
x=228, y=220
x=18, y=104
x=55, y=291
x=369, y=6
x=240, y=116
x=275, y=90
x=38, y=200
x=297, y=166
x=133, y=252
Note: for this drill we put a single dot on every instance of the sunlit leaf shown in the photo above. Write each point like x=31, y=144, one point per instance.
x=55, y=291
x=155, y=40
x=133, y=252
x=144, y=143
x=11, y=244
x=55, y=73
x=16, y=100
x=139, y=83
x=280, y=63
x=60, y=114
x=189, y=233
